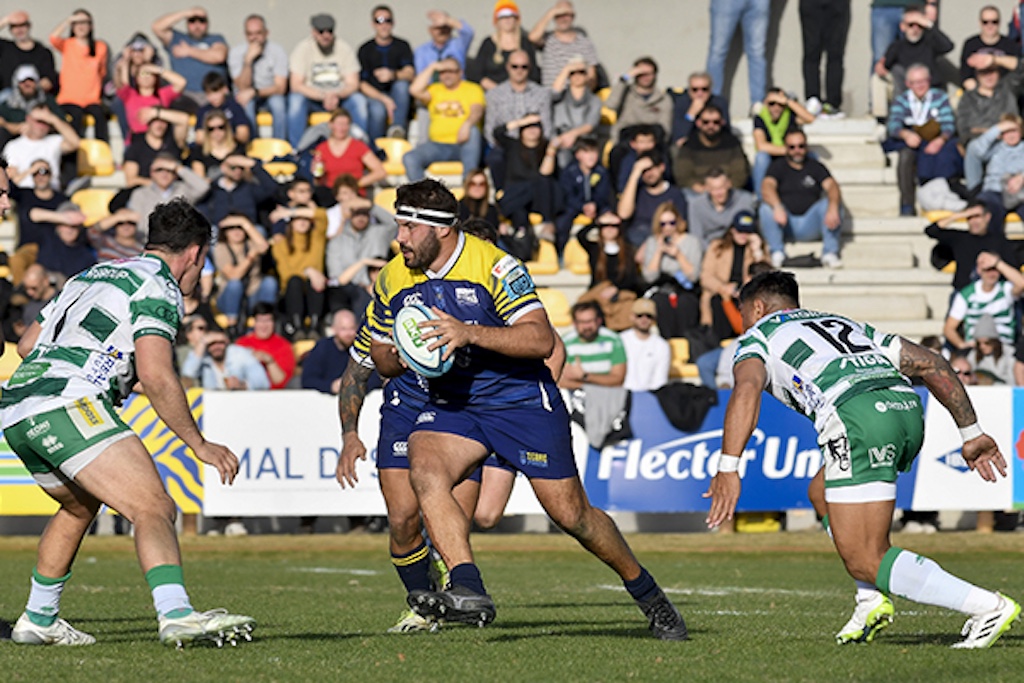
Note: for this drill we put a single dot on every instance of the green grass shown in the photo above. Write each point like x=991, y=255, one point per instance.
x=759, y=608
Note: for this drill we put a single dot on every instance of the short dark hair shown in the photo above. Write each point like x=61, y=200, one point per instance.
x=176, y=225
x=581, y=306
x=978, y=202
x=587, y=142
x=427, y=194
x=715, y=172
x=214, y=81
x=478, y=227
x=263, y=308
x=649, y=61
x=345, y=180
x=655, y=155
x=774, y=284
x=710, y=106
x=381, y=8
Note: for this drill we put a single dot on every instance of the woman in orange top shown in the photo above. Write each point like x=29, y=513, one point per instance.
x=82, y=71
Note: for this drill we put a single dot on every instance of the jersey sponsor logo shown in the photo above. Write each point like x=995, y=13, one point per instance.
x=90, y=418
x=110, y=273
x=52, y=444
x=426, y=417
x=414, y=298
x=954, y=460
x=505, y=266
x=882, y=457
x=533, y=459
x=38, y=429
x=518, y=283
x=466, y=296
x=886, y=406
x=88, y=412
x=100, y=367
x=838, y=451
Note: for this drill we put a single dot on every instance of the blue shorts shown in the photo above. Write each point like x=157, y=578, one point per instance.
x=533, y=440
x=498, y=464
x=397, y=419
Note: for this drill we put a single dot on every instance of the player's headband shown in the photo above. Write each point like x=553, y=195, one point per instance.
x=431, y=217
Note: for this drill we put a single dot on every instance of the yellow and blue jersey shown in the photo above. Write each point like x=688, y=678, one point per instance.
x=480, y=285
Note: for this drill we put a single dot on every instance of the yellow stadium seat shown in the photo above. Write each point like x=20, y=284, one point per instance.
x=94, y=202
x=576, y=258
x=385, y=198
x=603, y=94
x=681, y=368
x=266, y=149
x=95, y=158
x=936, y=216
x=394, y=149
x=546, y=261
x=606, y=153
x=280, y=170
x=10, y=361
x=318, y=117
x=458, y=192
x=302, y=347
x=609, y=116
x=557, y=305
x=264, y=119
x=445, y=168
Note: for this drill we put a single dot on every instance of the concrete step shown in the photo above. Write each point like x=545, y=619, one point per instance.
x=848, y=176
x=897, y=255
x=868, y=304
x=874, y=200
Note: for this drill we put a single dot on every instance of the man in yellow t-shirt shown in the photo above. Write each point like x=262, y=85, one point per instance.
x=456, y=108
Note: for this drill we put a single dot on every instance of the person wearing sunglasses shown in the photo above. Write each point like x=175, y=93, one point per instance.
x=194, y=53
x=259, y=73
x=488, y=68
x=152, y=87
x=167, y=178
x=386, y=64
x=26, y=94
x=779, y=116
x=921, y=42
x=22, y=48
x=988, y=40
x=218, y=96
x=562, y=43
x=711, y=145
x=512, y=99
x=689, y=103
x=41, y=195
x=218, y=144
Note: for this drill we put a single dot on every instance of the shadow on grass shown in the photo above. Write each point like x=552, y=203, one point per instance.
x=944, y=639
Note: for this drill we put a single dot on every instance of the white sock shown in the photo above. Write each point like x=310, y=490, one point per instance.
x=921, y=579
x=170, y=597
x=866, y=591
x=44, y=600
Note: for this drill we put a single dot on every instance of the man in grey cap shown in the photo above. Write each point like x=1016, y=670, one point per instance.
x=25, y=95
x=323, y=76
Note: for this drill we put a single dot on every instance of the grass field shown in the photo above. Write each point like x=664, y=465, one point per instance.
x=759, y=608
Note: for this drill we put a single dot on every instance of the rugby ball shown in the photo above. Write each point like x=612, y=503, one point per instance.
x=412, y=347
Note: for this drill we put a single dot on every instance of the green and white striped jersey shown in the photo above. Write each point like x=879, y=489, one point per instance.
x=86, y=346
x=817, y=361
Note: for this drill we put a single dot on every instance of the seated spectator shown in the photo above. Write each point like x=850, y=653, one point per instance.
x=42, y=195
x=214, y=363
x=644, y=140
x=23, y=49
x=116, y=236
x=648, y=355
x=993, y=295
x=218, y=97
x=25, y=95
x=299, y=255
x=83, y=67
x=586, y=189
x=476, y=199
x=324, y=75
x=323, y=367
x=358, y=234
x=711, y=145
x=259, y=72
x=987, y=41
x=529, y=172
x=563, y=43
x=137, y=53
x=963, y=246
x=712, y=211
x=241, y=188
x=991, y=353
x=670, y=262
x=46, y=137
x=340, y=153
x=981, y=107
x=594, y=354
x=921, y=42
x=801, y=203
x=646, y=190
x=238, y=256
x=141, y=101
x=63, y=251
x=614, y=278
x=1001, y=152
x=488, y=68
x=39, y=287
x=218, y=144
x=638, y=101
x=724, y=270
x=449, y=38
x=271, y=349
x=779, y=117
x=386, y=64
x=688, y=105
x=509, y=101
x=169, y=179
x=456, y=108
x=922, y=128
x=143, y=150
x=193, y=54
x=575, y=110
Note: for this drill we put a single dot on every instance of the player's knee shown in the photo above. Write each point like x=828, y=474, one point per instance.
x=403, y=527
x=160, y=508
x=572, y=519
x=487, y=519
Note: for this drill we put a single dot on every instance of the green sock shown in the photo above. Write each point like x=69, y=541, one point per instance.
x=167, y=583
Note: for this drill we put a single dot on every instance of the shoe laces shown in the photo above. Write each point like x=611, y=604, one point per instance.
x=662, y=613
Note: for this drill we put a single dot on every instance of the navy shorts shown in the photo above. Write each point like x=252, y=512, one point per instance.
x=533, y=440
x=397, y=419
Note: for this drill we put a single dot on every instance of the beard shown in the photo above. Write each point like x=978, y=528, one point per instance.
x=425, y=254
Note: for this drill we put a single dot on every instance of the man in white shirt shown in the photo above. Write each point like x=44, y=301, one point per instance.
x=648, y=355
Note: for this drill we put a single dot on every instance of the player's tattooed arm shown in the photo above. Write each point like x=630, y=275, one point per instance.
x=351, y=395
x=939, y=377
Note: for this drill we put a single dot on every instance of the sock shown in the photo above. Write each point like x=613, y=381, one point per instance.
x=44, y=598
x=642, y=587
x=468, y=576
x=828, y=527
x=167, y=583
x=413, y=568
x=866, y=591
x=920, y=579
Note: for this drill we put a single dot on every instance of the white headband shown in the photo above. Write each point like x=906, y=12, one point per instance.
x=431, y=217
